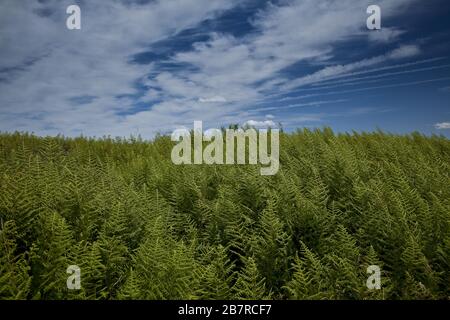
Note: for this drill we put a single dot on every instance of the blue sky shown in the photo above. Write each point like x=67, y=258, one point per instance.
x=143, y=67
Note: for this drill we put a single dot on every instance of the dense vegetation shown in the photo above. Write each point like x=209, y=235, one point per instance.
x=140, y=227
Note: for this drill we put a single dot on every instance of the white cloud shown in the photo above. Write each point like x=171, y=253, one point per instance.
x=260, y=124
x=46, y=66
x=404, y=52
x=442, y=125
x=212, y=99
x=385, y=35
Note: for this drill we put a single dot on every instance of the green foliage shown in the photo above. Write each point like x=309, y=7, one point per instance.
x=140, y=227
x=14, y=278
x=164, y=268
x=216, y=276
x=250, y=285
x=50, y=257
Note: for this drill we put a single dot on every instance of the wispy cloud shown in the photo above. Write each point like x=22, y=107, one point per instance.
x=395, y=85
x=87, y=82
x=212, y=99
x=47, y=66
x=374, y=78
x=384, y=68
x=332, y=72
x=300, y=105
x=385, y=35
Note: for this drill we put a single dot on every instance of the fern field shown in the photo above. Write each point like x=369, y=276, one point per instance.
x=140, y=227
